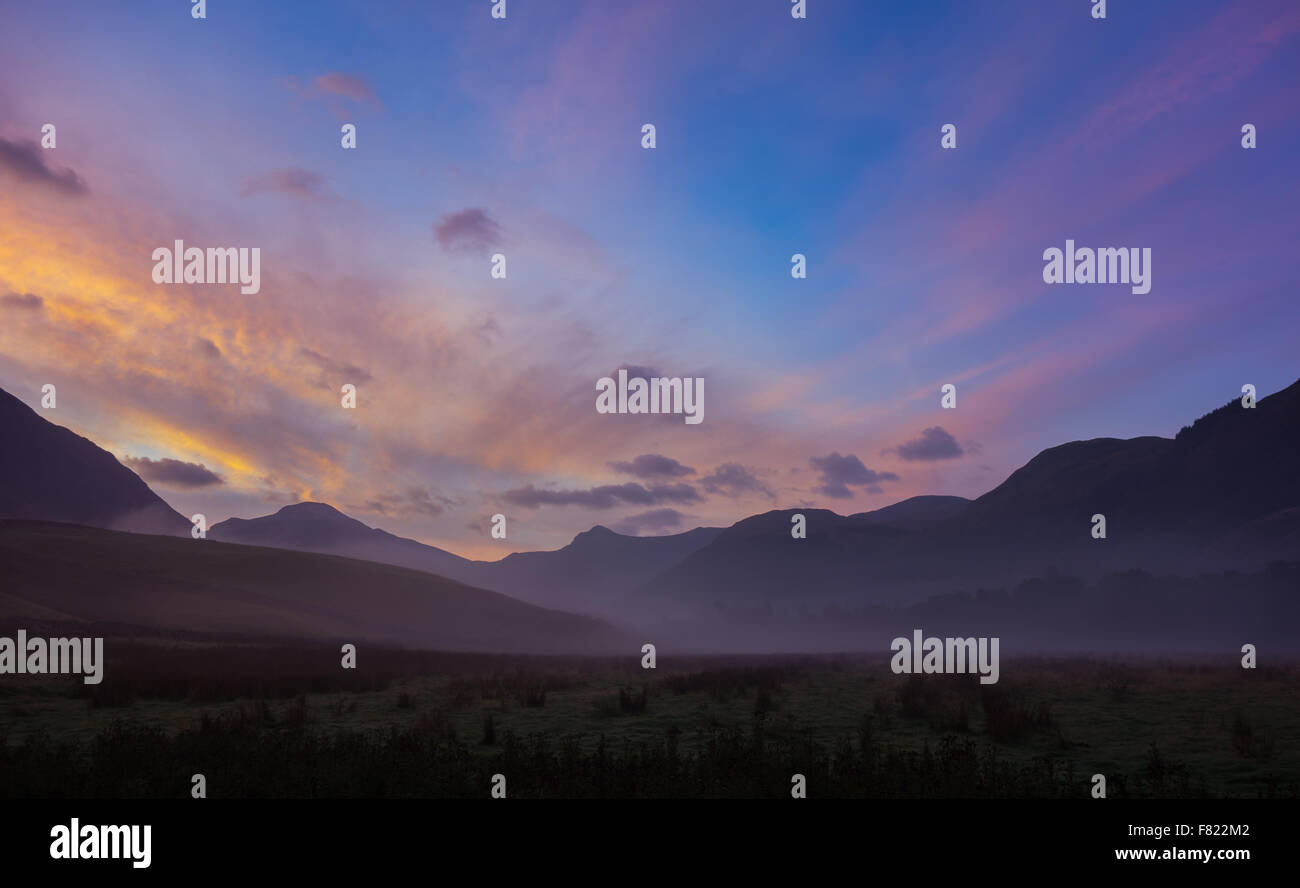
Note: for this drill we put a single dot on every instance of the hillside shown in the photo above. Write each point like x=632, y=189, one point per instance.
x=63, y=572
x=1223, y=494
x=48, y=473
x=317, y=527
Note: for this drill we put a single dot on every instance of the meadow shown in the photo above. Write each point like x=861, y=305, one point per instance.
x=285, y=720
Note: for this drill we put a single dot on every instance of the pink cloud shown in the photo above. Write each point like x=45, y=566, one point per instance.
x=349, y=86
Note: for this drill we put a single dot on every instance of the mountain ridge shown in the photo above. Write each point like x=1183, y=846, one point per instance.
x=1197, y=500
x=1223, y=494
x=56, y=571
x=50, y=473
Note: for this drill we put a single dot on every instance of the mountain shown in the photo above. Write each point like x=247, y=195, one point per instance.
x=1223, y=494
x=1165, y=500
x=757, y=564
x=593, y=573
x=589, y=575
x=61, y=573
x=48, y=473
x=914, y=513
x=317, y=527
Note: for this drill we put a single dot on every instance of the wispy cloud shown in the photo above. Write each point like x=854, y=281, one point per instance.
x=604, y=496
x=292, y=181
x=412, y=502
x=652, y=465
x=653, y=520
x=733, y=479
x=23, y=301
x=340, y=83
x=26, y=162
x=468, y=231
x=334, y=373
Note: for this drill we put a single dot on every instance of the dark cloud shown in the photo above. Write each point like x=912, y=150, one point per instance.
x=334, y=373
x=173, y=472
x=652, y=465
x=26, y=160
x=935, y=443
x=605, y=496
x=349, y=86
x=469, y=231
x=839, y=473
x=414, y=501
x=29, y=301
x=733, y=479
x=655, y=519
x=291, y=180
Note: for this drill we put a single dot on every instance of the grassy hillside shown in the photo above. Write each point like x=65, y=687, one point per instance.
x=59, y=571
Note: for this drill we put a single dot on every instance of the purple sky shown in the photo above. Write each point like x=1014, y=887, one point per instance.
x=523, y=136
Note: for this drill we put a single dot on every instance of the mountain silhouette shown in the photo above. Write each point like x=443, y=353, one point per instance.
x=1223, y=494
x=1166, y=501
x=317, y=527
x=587, y=575
x=915, y=512
x=593, y=573
x=48, y=473
x=63, y=573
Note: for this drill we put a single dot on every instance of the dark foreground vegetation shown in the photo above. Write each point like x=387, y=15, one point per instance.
x=285, y=720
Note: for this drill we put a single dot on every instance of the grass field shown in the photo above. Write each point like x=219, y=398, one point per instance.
x=271, y=720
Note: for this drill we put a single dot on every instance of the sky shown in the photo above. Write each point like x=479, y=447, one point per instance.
x=523, y=136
